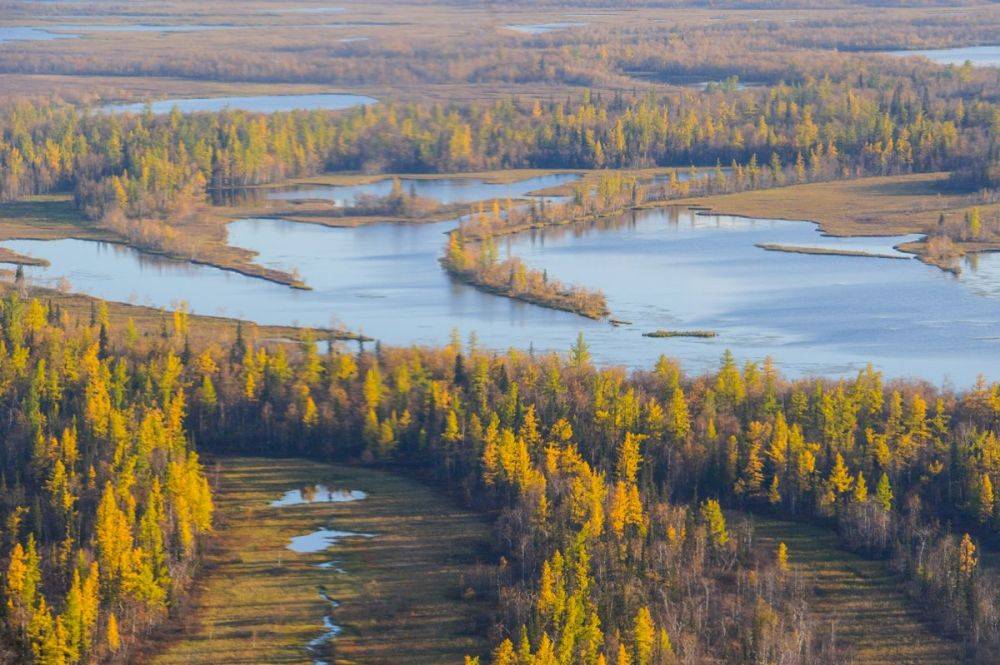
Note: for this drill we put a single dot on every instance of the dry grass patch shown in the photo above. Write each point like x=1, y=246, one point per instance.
x=872, y=618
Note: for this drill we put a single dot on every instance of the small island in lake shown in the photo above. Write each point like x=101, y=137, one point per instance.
x=681, y=333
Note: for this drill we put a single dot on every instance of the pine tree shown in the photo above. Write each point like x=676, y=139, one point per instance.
x=986, y=499
x=644, y=635
x=580, y=353
x=840, y=480
x=782, y=557
x=679, y=423
x=966, y=557
x=860, y=494
x=774, y=492
x=883, y=493
x=112, y=635
x=711, y=515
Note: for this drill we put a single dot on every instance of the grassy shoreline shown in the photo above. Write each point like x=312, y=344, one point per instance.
x=53, y=217
x=204, y=328
x=874, y=206
x=561, y=300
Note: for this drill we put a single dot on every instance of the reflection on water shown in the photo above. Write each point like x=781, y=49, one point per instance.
x=322, y=539
x=665, y=269
x=543, y=28
x=981, y=56
x=318, y=493
x=446, y=191
x=16, y=34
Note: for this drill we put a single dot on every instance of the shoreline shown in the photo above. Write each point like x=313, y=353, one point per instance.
x=827, y=251
x=559, y=304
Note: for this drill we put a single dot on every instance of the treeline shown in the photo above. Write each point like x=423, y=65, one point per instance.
x=104, y=501
x=764, y=47
x=609, y=485
x=576, y=454
x=144, y=166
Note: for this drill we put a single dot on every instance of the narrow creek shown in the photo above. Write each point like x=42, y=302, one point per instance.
x=321, y=540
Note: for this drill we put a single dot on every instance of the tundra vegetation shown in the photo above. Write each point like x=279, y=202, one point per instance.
x=623, y=504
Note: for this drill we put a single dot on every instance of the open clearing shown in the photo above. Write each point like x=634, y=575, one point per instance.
x=872, y=617
x=401, y=591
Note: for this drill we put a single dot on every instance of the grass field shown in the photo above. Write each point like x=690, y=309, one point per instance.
x=401, y=591
x=890, y=205
x=872, y=617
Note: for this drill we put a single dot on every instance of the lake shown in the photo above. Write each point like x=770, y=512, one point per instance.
x=77, y=30
x=256, y=104
x=447, y=191
x=669, y=269
x=543, y=28
x=16, y=34
x=981, y=56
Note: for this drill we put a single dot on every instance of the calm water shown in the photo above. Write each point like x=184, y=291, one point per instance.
x=321, y=540
x=317, y=494
x=76, y=30
x=9, y=34
x=659, y=269
x=447, y=191
x=543, y=28
x=257, y=104
x=981, y=56
x=138, y=27
x=303, y=10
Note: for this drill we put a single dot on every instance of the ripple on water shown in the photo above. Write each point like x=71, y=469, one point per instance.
x=318, y=493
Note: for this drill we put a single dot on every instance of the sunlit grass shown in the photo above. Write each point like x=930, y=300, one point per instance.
x=401, y=591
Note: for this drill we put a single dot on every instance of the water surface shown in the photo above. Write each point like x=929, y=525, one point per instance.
x=321, y=539
x=543, y=28
x=77, y=30
x=139, y=27
x=980, y=56
x=16, y=34
x=256, y=104
x=318, y=493
x=447, y=191
x=659, y=269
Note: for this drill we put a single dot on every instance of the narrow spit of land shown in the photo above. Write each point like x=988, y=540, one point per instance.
x=401, y=594
x=828, y=251
x=875, y=206
x=871, y=616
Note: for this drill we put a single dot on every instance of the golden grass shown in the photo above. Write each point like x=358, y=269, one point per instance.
x=888, y=205
x=873, y=619
x=401, y=591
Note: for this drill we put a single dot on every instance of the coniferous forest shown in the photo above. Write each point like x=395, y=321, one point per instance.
x=697, y=446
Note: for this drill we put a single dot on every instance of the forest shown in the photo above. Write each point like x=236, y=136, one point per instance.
x=139, y=176
x=624, y=511
x=610, y=489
